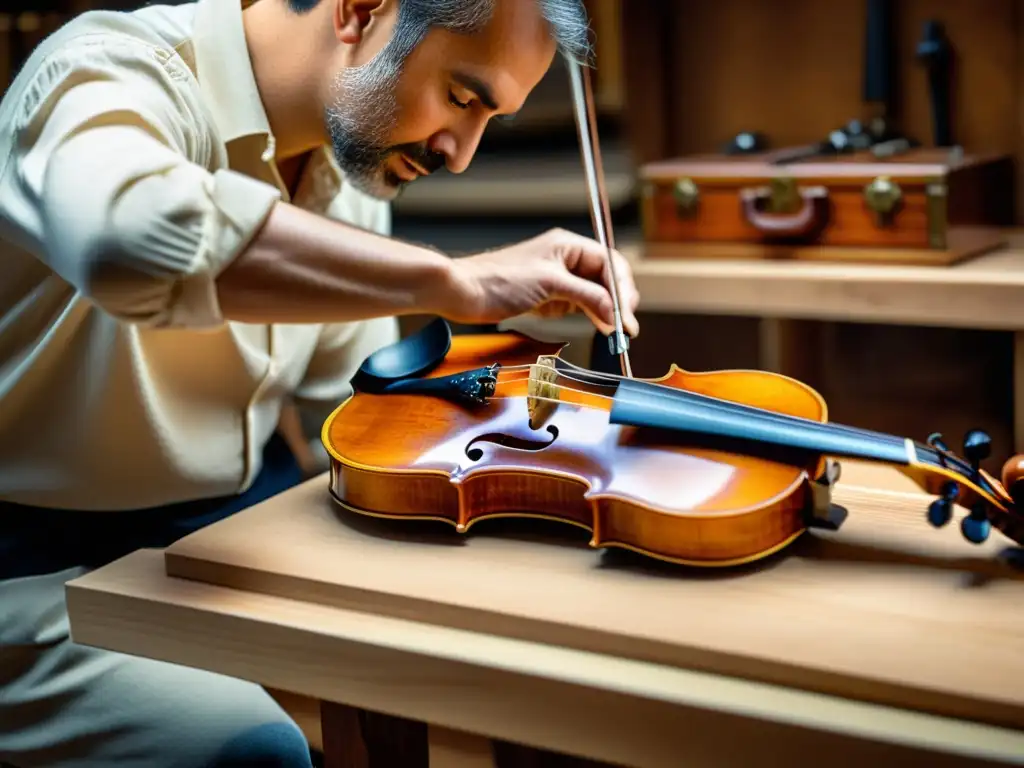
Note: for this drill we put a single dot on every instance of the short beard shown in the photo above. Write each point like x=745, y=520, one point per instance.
x=361, y=114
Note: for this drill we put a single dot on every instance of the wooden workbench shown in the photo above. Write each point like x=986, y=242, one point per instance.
x=885, y=642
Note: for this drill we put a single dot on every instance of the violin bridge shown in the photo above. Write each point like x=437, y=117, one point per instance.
x=542, y=391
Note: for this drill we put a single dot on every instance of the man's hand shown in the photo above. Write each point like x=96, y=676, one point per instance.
x=546, y=275
x=304, y=268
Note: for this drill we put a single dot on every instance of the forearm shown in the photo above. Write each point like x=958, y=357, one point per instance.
x=304, y=268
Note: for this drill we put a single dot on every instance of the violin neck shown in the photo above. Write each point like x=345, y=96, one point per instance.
x=745, y=428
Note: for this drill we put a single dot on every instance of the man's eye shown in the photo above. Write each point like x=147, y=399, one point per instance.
x=455, y=102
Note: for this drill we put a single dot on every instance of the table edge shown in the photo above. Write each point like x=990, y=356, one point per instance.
x=146, y=619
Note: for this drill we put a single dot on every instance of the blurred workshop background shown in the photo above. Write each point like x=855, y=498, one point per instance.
x=675, y=79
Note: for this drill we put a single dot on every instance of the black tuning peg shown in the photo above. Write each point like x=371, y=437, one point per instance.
x=977, y=447
x=976, y=526
x=940, y=511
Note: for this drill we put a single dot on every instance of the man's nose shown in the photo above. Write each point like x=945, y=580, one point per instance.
x=459, y=146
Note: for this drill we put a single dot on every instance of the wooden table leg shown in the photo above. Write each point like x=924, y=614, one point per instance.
x=456, y=749
x=342, y=736
x=356, y=738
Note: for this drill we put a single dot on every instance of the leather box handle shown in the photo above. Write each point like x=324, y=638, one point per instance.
x=811, y=215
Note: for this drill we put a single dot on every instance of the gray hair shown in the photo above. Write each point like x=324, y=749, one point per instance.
x=567, y=20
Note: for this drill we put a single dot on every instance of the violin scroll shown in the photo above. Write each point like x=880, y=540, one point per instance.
x=964, y=481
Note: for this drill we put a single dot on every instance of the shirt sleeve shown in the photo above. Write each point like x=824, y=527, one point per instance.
x=110, y=175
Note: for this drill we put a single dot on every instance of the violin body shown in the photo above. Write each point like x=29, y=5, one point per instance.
x=421, y=457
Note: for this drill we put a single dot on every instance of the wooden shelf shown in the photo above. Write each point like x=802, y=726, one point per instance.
x=984, y=293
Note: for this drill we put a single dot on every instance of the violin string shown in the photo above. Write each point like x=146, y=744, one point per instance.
x=673, y=393
x=718, y=403
x=545, y=398
x=714, y=403
x=561, y=388
x=930, y=456
x=557, y=401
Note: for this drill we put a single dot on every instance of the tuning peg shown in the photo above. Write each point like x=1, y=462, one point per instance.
x=940, y=511
x=977, y=447
x=976, y=526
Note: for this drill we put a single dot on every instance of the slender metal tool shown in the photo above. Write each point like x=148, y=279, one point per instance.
x=600, y=213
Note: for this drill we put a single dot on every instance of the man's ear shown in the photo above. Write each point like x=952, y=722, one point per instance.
x=351, y=18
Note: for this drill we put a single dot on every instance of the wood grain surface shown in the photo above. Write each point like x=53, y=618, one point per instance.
x=597, y=706
x=885, y=610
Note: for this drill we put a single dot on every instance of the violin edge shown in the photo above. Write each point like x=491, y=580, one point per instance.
x=599, y=522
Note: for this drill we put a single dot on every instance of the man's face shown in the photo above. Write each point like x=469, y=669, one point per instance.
x=392, y=121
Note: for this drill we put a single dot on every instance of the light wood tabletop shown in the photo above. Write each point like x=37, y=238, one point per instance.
x=885, y=641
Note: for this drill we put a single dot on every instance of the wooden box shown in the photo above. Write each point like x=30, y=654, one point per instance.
x=924, y=206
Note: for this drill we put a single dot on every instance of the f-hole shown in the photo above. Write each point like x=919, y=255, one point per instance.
x=510, y=441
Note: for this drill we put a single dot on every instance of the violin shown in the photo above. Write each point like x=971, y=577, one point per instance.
x=709, y=469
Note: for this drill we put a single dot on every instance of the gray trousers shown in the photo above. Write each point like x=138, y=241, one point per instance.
x=64, y=705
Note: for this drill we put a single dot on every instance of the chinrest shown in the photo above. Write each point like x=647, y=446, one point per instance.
x=411, y=357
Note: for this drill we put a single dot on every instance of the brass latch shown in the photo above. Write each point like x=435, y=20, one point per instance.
x=687, y=196
x=882, y=195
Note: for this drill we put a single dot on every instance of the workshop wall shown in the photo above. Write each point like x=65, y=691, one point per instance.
x=699, y=72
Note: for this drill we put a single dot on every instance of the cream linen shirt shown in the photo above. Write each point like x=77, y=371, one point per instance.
x=136, y=161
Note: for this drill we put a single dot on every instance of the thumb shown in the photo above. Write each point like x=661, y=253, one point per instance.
x=591, y=297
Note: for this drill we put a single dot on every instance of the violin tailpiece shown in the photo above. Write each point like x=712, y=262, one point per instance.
x=542, y=391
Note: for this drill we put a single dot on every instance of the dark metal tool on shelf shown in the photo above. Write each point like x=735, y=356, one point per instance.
x=837, y=143
x=877, y=130
x=879, y=85
x=879, y=82
x=746, y=143
x=936, y=54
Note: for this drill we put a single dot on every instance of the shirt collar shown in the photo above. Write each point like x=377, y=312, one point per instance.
x=226, y=79
x=224, y=69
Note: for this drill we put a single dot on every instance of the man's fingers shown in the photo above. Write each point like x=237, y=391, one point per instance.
x=591, y=297
x=588, y=259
